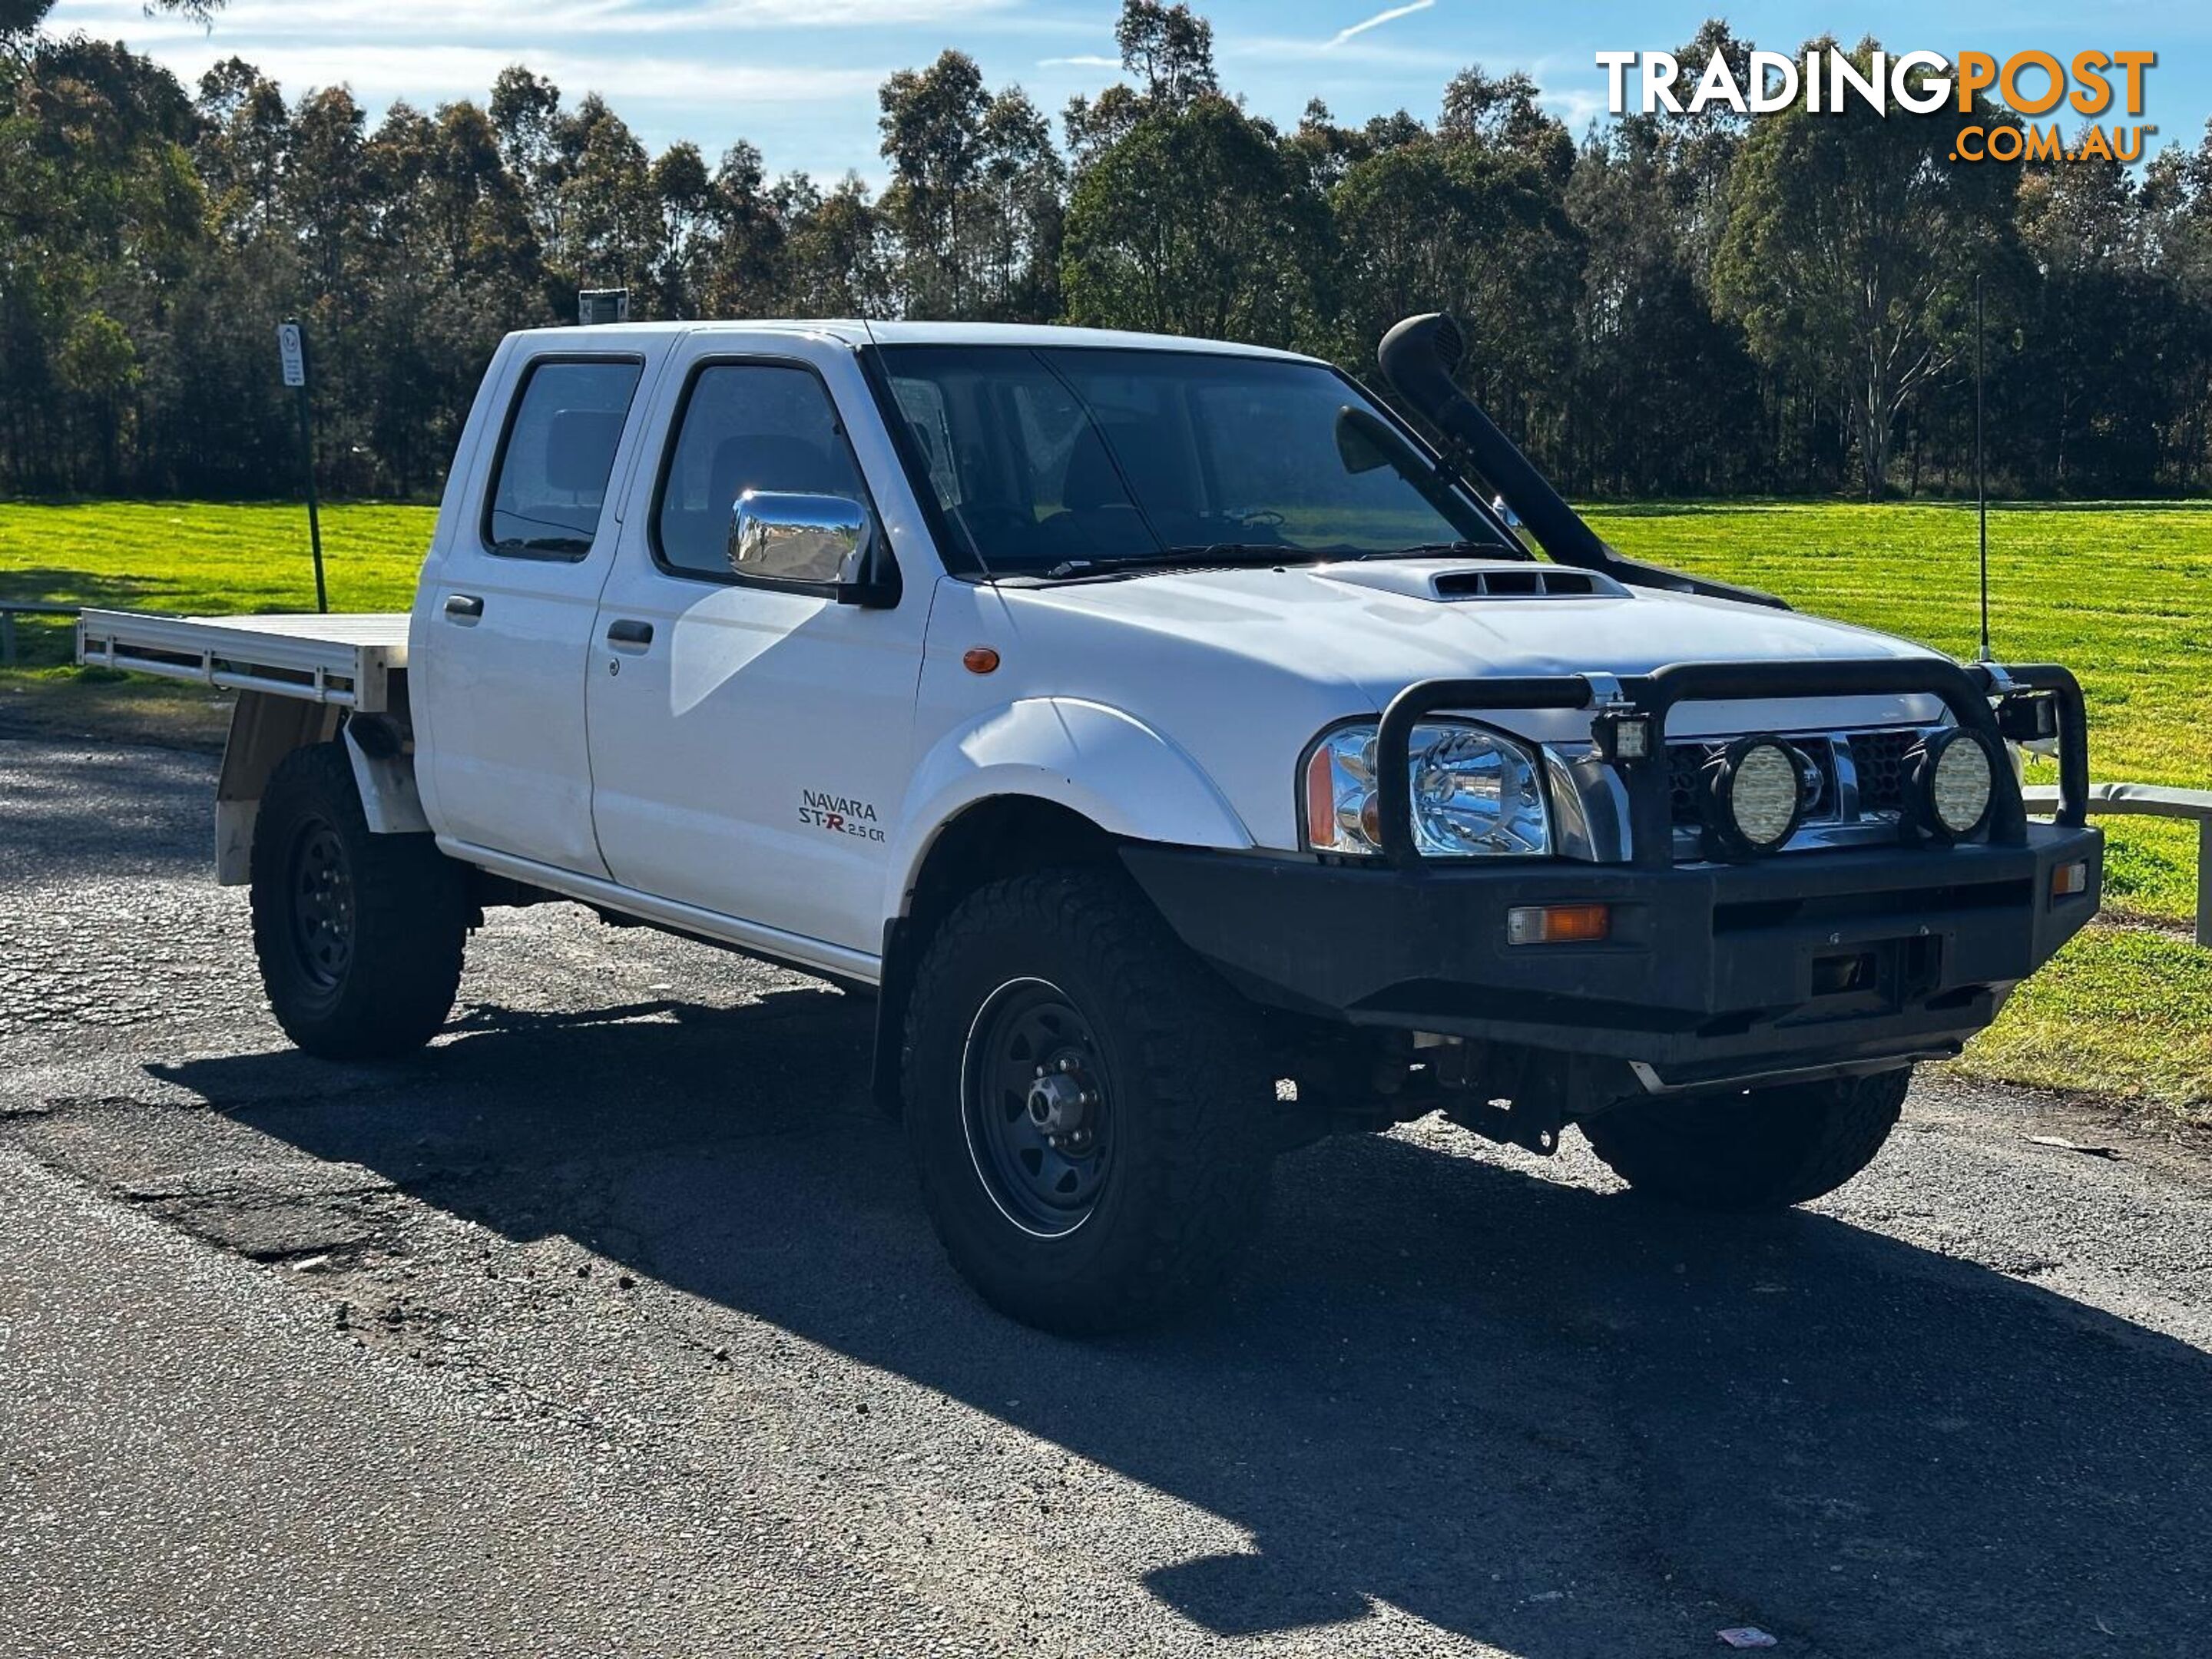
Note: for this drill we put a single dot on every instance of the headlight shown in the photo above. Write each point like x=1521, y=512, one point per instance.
x=1475, y=793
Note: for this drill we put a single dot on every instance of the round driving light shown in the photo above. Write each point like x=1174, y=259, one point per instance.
x=1955, y=783
x=1756, y=795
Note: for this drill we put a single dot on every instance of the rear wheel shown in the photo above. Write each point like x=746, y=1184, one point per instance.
x=1760, y=1149
x=1085, y=1103
x=359, y=936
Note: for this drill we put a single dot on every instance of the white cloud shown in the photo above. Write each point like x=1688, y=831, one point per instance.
x=786, y=13
x=1577, y=107
x=1379, y=19
x=428, y=74
x=1282, y=49
x=263, y=19
x=1087, y=60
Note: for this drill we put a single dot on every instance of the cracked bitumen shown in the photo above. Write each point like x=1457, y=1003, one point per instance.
x=612, y=1321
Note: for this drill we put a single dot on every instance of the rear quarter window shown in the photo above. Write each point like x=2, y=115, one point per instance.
x=548, y=485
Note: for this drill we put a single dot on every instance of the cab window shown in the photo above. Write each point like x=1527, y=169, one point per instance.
x=768, y=427
x=1089, y=455
x=549, y=483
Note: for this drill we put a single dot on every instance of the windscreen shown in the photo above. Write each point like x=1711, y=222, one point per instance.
x=1085, y=456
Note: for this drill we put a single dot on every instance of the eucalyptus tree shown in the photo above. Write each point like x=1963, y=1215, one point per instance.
x=974, y=194
x=1849, y=253
x=745, y=246
x=104, y=212
x=1196, y=222
x=1470, y=219
x=839, y=251
x=1169, y=52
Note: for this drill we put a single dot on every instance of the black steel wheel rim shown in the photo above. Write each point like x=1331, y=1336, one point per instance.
x=321, y=881
x=1036, y=1107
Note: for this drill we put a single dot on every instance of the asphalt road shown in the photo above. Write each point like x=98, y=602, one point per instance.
x=612, y=1324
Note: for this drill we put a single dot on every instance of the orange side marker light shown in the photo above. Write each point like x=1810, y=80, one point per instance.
x=1559, y=924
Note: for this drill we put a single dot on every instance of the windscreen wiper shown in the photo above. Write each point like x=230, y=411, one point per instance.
x=1449, y=549
x=1228, y=555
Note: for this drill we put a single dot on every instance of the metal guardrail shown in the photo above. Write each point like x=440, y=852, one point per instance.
x=10, y=608
x=2151, y=800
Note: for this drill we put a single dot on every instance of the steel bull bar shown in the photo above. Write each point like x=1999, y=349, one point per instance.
x=1965, y=691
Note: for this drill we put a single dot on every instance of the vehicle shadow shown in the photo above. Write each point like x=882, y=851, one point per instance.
x=1495, y=1400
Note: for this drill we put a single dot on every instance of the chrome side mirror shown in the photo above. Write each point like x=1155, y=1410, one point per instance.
x=814, y=542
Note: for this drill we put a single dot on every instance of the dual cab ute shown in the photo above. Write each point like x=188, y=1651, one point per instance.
x=1182, y=750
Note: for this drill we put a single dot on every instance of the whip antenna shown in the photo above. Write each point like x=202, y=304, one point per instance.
x=1981, y=482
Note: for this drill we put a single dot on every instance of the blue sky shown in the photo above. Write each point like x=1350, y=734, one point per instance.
x=798, y=77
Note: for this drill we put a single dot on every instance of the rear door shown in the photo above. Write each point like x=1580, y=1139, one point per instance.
x=503, y=634
x=751, y=745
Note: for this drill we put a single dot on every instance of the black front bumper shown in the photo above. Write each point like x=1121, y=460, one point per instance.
x=1817, y=960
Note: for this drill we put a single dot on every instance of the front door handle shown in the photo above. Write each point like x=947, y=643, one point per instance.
x=463, y=607
x=627, y=632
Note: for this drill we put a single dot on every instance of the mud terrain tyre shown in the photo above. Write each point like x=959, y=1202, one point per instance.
x=1765, y=1149
x=1085, y=1100
x=359, y=936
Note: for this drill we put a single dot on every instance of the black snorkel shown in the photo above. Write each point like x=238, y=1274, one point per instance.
x=1418, y=358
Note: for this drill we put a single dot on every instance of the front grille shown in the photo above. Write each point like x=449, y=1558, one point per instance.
x=1687, y=762
x=1878, y=759
x=1684, y=762
x=1853, y=777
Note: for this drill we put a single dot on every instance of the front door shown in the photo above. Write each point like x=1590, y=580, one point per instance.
x=749, y=745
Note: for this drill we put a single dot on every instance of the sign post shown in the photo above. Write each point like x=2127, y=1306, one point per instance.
x=292, y=352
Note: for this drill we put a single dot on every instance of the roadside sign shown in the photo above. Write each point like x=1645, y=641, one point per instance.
x=292, y=354
x=603, y=305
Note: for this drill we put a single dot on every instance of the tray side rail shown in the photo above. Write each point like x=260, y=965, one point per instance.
x=343, y=675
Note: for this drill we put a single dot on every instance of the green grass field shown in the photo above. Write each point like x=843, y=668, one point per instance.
x=2122, y=592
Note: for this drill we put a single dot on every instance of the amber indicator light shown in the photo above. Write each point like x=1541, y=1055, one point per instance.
x=1559, y=924
x=979, y=660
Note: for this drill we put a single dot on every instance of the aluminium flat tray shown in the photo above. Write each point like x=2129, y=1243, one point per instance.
x=346, y=661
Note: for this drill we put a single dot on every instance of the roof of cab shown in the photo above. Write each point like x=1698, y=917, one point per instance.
x=853, y=332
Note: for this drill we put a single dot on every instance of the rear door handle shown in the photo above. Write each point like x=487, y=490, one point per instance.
x=463, y=607
x=627, y=632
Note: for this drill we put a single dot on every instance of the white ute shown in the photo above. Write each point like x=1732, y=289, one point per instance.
x=1147, y=724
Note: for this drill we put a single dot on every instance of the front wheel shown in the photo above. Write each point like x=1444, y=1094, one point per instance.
x=1084, y=1101
x=1758, y=1149
x=359, y=935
